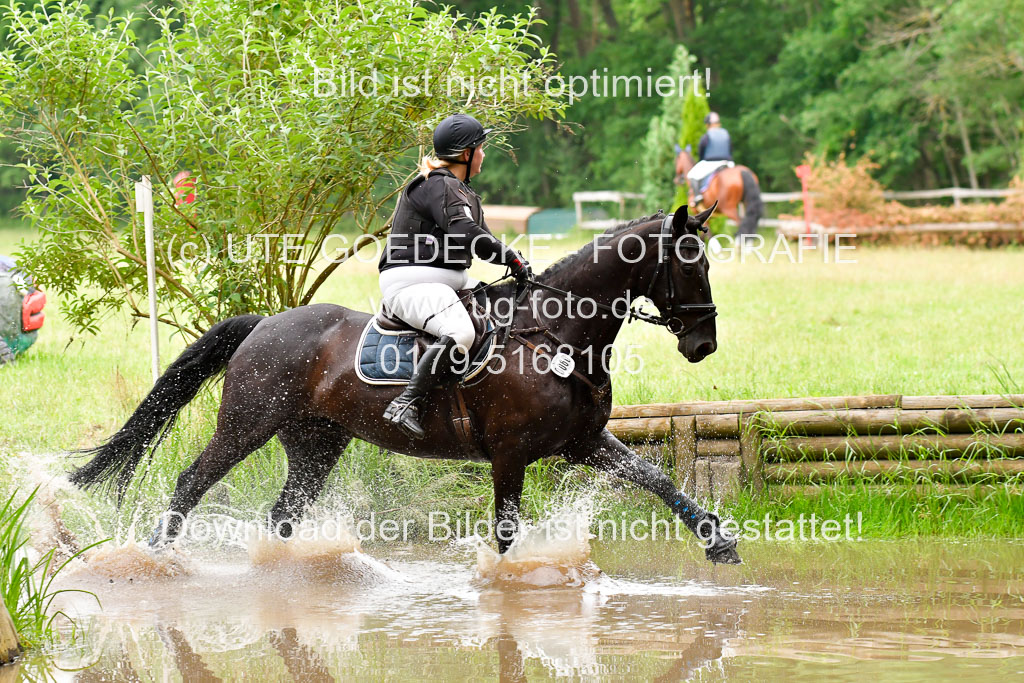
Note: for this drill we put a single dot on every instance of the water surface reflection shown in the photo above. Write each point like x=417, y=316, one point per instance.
x=901, y=609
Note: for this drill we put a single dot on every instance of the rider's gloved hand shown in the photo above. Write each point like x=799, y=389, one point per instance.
x=520, y=268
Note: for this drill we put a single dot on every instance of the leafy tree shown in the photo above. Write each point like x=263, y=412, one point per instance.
x=859, y=77
x=13, y=178
x=665, y=131
x=600, y=144
x=287, y=118
x=931, y=90
x=695, y=109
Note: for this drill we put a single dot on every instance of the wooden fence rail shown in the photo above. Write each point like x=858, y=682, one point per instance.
x=956, y=193
x=579, y=198
x=795, y=228
x=716, y=447
x=798, y=228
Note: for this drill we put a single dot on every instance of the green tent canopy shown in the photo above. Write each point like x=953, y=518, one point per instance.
x=21, y=311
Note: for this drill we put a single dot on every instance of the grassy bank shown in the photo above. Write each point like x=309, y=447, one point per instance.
x=900, y=320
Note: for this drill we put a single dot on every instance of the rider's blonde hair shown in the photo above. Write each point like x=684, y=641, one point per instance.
x=430, y=163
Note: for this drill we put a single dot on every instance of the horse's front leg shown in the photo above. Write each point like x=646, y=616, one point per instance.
x=507, y=474
x=610, y=455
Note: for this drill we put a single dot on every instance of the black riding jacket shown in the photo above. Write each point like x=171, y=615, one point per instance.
x=439, y=222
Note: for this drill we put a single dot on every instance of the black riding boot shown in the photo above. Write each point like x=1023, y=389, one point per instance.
x=435, y=363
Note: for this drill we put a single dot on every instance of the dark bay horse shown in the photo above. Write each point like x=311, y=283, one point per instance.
x=734, y=189
x=293, y=375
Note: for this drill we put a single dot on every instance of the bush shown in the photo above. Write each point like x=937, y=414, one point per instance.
x=838, y=186
x=663, y=133
x=847, y=197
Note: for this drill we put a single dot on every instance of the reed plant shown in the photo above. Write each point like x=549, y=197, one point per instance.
x=27, y=585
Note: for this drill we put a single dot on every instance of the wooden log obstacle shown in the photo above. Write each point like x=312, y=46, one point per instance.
x=717, y=447
x=10, y=647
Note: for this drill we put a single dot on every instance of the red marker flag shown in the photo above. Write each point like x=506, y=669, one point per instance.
x=184, y=188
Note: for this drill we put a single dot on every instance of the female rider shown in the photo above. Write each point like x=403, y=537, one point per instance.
x=437, y=228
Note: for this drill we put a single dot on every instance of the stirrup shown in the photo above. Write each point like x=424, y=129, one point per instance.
x=405, y=414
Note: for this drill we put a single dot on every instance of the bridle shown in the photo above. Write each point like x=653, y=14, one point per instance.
x=673, y=322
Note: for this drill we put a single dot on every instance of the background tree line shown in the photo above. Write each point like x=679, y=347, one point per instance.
x=931, y=90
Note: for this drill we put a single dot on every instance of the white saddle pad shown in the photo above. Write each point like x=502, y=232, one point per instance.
x=702, y=169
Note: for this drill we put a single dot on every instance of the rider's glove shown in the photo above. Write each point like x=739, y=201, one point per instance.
x=520, y=268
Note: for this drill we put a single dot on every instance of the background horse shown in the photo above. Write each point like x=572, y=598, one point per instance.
x=735, y=189
x=293, y=375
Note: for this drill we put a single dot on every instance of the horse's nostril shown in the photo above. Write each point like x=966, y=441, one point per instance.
x=706, y=349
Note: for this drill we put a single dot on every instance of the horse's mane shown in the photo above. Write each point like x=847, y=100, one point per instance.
x=571, y=262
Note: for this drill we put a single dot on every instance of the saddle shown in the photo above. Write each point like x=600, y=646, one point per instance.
x=388, y=347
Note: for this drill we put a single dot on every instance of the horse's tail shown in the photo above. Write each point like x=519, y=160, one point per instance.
x=752, y=204
x=116, y=459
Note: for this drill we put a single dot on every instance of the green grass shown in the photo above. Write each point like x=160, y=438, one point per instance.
x=894, y=509
x=900, y=320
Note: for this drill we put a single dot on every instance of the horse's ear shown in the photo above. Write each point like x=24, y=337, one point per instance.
x=679, y=219
x=703, y=216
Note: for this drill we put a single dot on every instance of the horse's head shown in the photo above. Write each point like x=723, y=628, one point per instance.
x=680, y=287
x=684, y=162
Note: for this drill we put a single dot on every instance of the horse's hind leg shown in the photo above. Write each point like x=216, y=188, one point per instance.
x=313, y=447
x=730, y=211
x=230, y=445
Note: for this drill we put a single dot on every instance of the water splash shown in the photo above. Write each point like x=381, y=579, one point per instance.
x=131, y=561
x=46, y=525
x=319, y=550
x=122, y=557
x=313, y=541
x=552, y=552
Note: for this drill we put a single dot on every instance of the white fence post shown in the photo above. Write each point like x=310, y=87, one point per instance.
x=144, y=205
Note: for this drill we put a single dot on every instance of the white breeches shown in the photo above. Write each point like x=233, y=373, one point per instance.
x=424, y=297
x=702, y=169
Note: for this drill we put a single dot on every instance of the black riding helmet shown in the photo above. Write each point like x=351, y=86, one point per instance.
x=456, y=133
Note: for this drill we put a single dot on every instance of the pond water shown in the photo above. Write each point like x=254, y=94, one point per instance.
x=895, y=610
